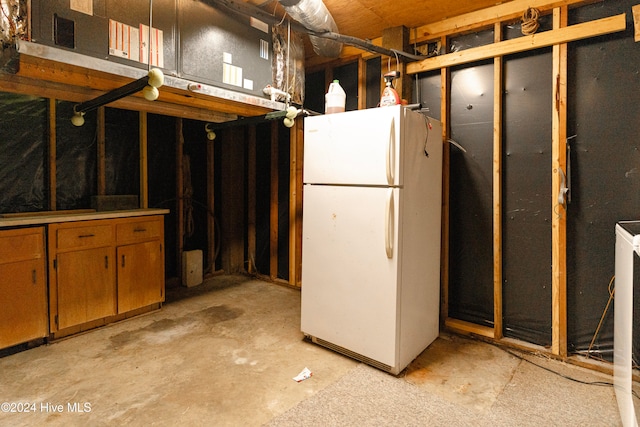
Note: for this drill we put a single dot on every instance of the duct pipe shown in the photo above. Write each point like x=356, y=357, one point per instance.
x=315, y=16
x=249, y=10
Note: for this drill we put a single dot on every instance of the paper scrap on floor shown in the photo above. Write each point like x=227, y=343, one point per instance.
x=306, y=373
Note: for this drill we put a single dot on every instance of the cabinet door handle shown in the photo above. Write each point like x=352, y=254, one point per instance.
x=33, y=277
x=123, y=261
x=106, y=262
x=139, y=230
x=84, y=236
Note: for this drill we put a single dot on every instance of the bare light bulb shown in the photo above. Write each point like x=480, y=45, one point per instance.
x=156, y=77
x=292, y=112
x=77, y=119
x=150, y=93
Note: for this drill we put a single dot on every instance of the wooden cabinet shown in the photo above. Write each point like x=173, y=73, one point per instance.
x=23, y=287
x=140, y=263
x=86, y=285
x=104, y=268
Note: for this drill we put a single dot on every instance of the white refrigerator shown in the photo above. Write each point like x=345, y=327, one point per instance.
x=371, y=234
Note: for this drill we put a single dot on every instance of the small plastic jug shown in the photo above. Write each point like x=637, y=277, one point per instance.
x=335, y=98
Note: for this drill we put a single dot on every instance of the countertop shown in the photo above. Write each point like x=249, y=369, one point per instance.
x=69, y=216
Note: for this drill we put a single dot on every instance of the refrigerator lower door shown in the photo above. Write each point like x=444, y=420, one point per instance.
x=350, y=270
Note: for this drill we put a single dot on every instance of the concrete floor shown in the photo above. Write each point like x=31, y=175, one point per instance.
x=224, y=353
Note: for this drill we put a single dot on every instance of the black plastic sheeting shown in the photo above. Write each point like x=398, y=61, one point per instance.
x=605, y=171
x=23, y=143
x=526, y=201
x=471, y=194
x=161, y=172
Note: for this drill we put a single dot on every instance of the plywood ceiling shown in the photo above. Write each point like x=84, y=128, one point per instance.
x=366, y=19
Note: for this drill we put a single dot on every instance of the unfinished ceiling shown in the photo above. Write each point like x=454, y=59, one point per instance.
x=366, y=19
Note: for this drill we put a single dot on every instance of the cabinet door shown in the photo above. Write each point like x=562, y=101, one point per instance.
x=86, y=286
x=140, y=275
x=23, y=302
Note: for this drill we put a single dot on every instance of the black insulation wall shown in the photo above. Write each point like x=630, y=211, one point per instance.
x=23, y=144
x=471, y=187
x=604, y=164
x=605, y=170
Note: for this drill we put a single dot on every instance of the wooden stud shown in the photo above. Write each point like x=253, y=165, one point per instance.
x=295, y=203
x=585, y=30
x=273, y=211
x=211, y=220
x=445, y=110
x=636, y=22
x=179, y=197
x=144, y=168
x=399, y=38
x=251, y=198
x=52, y=155
x=101, y=163
x=559, y=213
x=497, y=187
x=362, y=84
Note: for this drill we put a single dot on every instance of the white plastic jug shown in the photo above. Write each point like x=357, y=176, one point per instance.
x=335, y=99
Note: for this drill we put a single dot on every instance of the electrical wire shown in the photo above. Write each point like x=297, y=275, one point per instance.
x=567, y=377
x=604, y=313
x=189, y=225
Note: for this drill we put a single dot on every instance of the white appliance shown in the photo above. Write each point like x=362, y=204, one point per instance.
x=627, y=251
x=371, y=234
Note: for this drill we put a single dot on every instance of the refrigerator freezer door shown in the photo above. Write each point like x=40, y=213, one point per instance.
x=350, y=285
x=354, y=148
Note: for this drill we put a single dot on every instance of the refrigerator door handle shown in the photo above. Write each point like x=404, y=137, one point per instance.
x=389, y=224
x=391, y=153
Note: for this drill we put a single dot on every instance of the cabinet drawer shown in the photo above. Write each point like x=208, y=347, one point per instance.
x=135, y=231
x=84, y=237
x=21, y=245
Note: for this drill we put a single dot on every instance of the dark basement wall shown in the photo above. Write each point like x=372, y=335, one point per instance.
x=23, y=143
x=603, y=116
x=605, y=171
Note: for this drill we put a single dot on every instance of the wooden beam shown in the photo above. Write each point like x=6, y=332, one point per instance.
x=273, y=210
x=144, y=167
x=506, y=11
x=29, y=86
x=497, y=187
x=585, y=30
x=558, y=212
x=52, y=181
x=101, y=161
x=468, y=328
x=73, y=83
